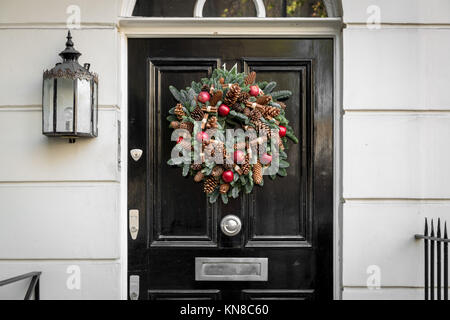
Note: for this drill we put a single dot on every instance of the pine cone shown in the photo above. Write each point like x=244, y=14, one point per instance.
x=199, y=176
x=189, y=126
x=217, y=171
x=179, y=112
x=246, y=166
x=197, y=114
x=271, y=112
x=224, y=188
x=257, y=173
x=260, y=126
x=216, y=97
x=250, y=78
x=264, y=99
x=210, y=185
x=174, y=124
x=232, y=95
x=243, y=97
x=237, y=107
x=196, y=166
x=255, y=115
x=205, y=87
x=247, y=111
x=212, y=123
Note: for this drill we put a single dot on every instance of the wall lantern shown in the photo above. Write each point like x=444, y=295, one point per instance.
x=70, y=98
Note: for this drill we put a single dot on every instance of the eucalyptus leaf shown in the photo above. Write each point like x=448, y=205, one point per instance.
x=224, y=198
x=213, y=197
x=282, y=172
x=235, y=192
x=283, y=164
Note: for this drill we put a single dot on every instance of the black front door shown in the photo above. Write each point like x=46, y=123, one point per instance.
x=284, y=249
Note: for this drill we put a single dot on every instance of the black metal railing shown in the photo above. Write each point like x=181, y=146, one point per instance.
x=33, y=287
x=436, y=261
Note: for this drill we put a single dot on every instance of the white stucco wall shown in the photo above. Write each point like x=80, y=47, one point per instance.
x=396, y=132
x=59, y=202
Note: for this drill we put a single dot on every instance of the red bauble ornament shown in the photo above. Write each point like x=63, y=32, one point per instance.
x=266, y=158
x=224, y=110
x=228, y=176
x=203, y=97
x=282, y=131
x=239, y=156
x=202, y=136
x=254, y=90
x=179, y=139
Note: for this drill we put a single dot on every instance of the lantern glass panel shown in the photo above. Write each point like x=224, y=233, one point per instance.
x=95, y=113
x=64, y=105
x=84, y=106
x=47, y=105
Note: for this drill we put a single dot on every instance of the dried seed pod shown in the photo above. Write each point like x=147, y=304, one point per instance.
x=174, y=124
x=179, y=112
x=217, y=171
x=250, y=78
x=199, y=176
x=264, y=99
x=216, y=97
x=212, y=122
x=224, y=188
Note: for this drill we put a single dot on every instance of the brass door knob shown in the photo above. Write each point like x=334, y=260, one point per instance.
x=231, y=225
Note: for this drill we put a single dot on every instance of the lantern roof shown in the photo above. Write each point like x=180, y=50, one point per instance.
x=70, y=68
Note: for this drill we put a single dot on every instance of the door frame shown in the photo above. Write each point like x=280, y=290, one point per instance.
x=138, y=27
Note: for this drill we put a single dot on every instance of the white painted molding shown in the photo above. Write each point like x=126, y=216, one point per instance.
x=137, y=27
x=259, y=4
x=127, y=8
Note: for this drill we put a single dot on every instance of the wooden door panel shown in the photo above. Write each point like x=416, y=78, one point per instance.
x=192, y=224
x=279, y=213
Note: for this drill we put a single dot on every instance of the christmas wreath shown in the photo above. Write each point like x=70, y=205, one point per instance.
x=226, y=162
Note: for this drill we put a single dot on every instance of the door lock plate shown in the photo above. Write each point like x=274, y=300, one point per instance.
x=134, y=223
x=134, y=287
